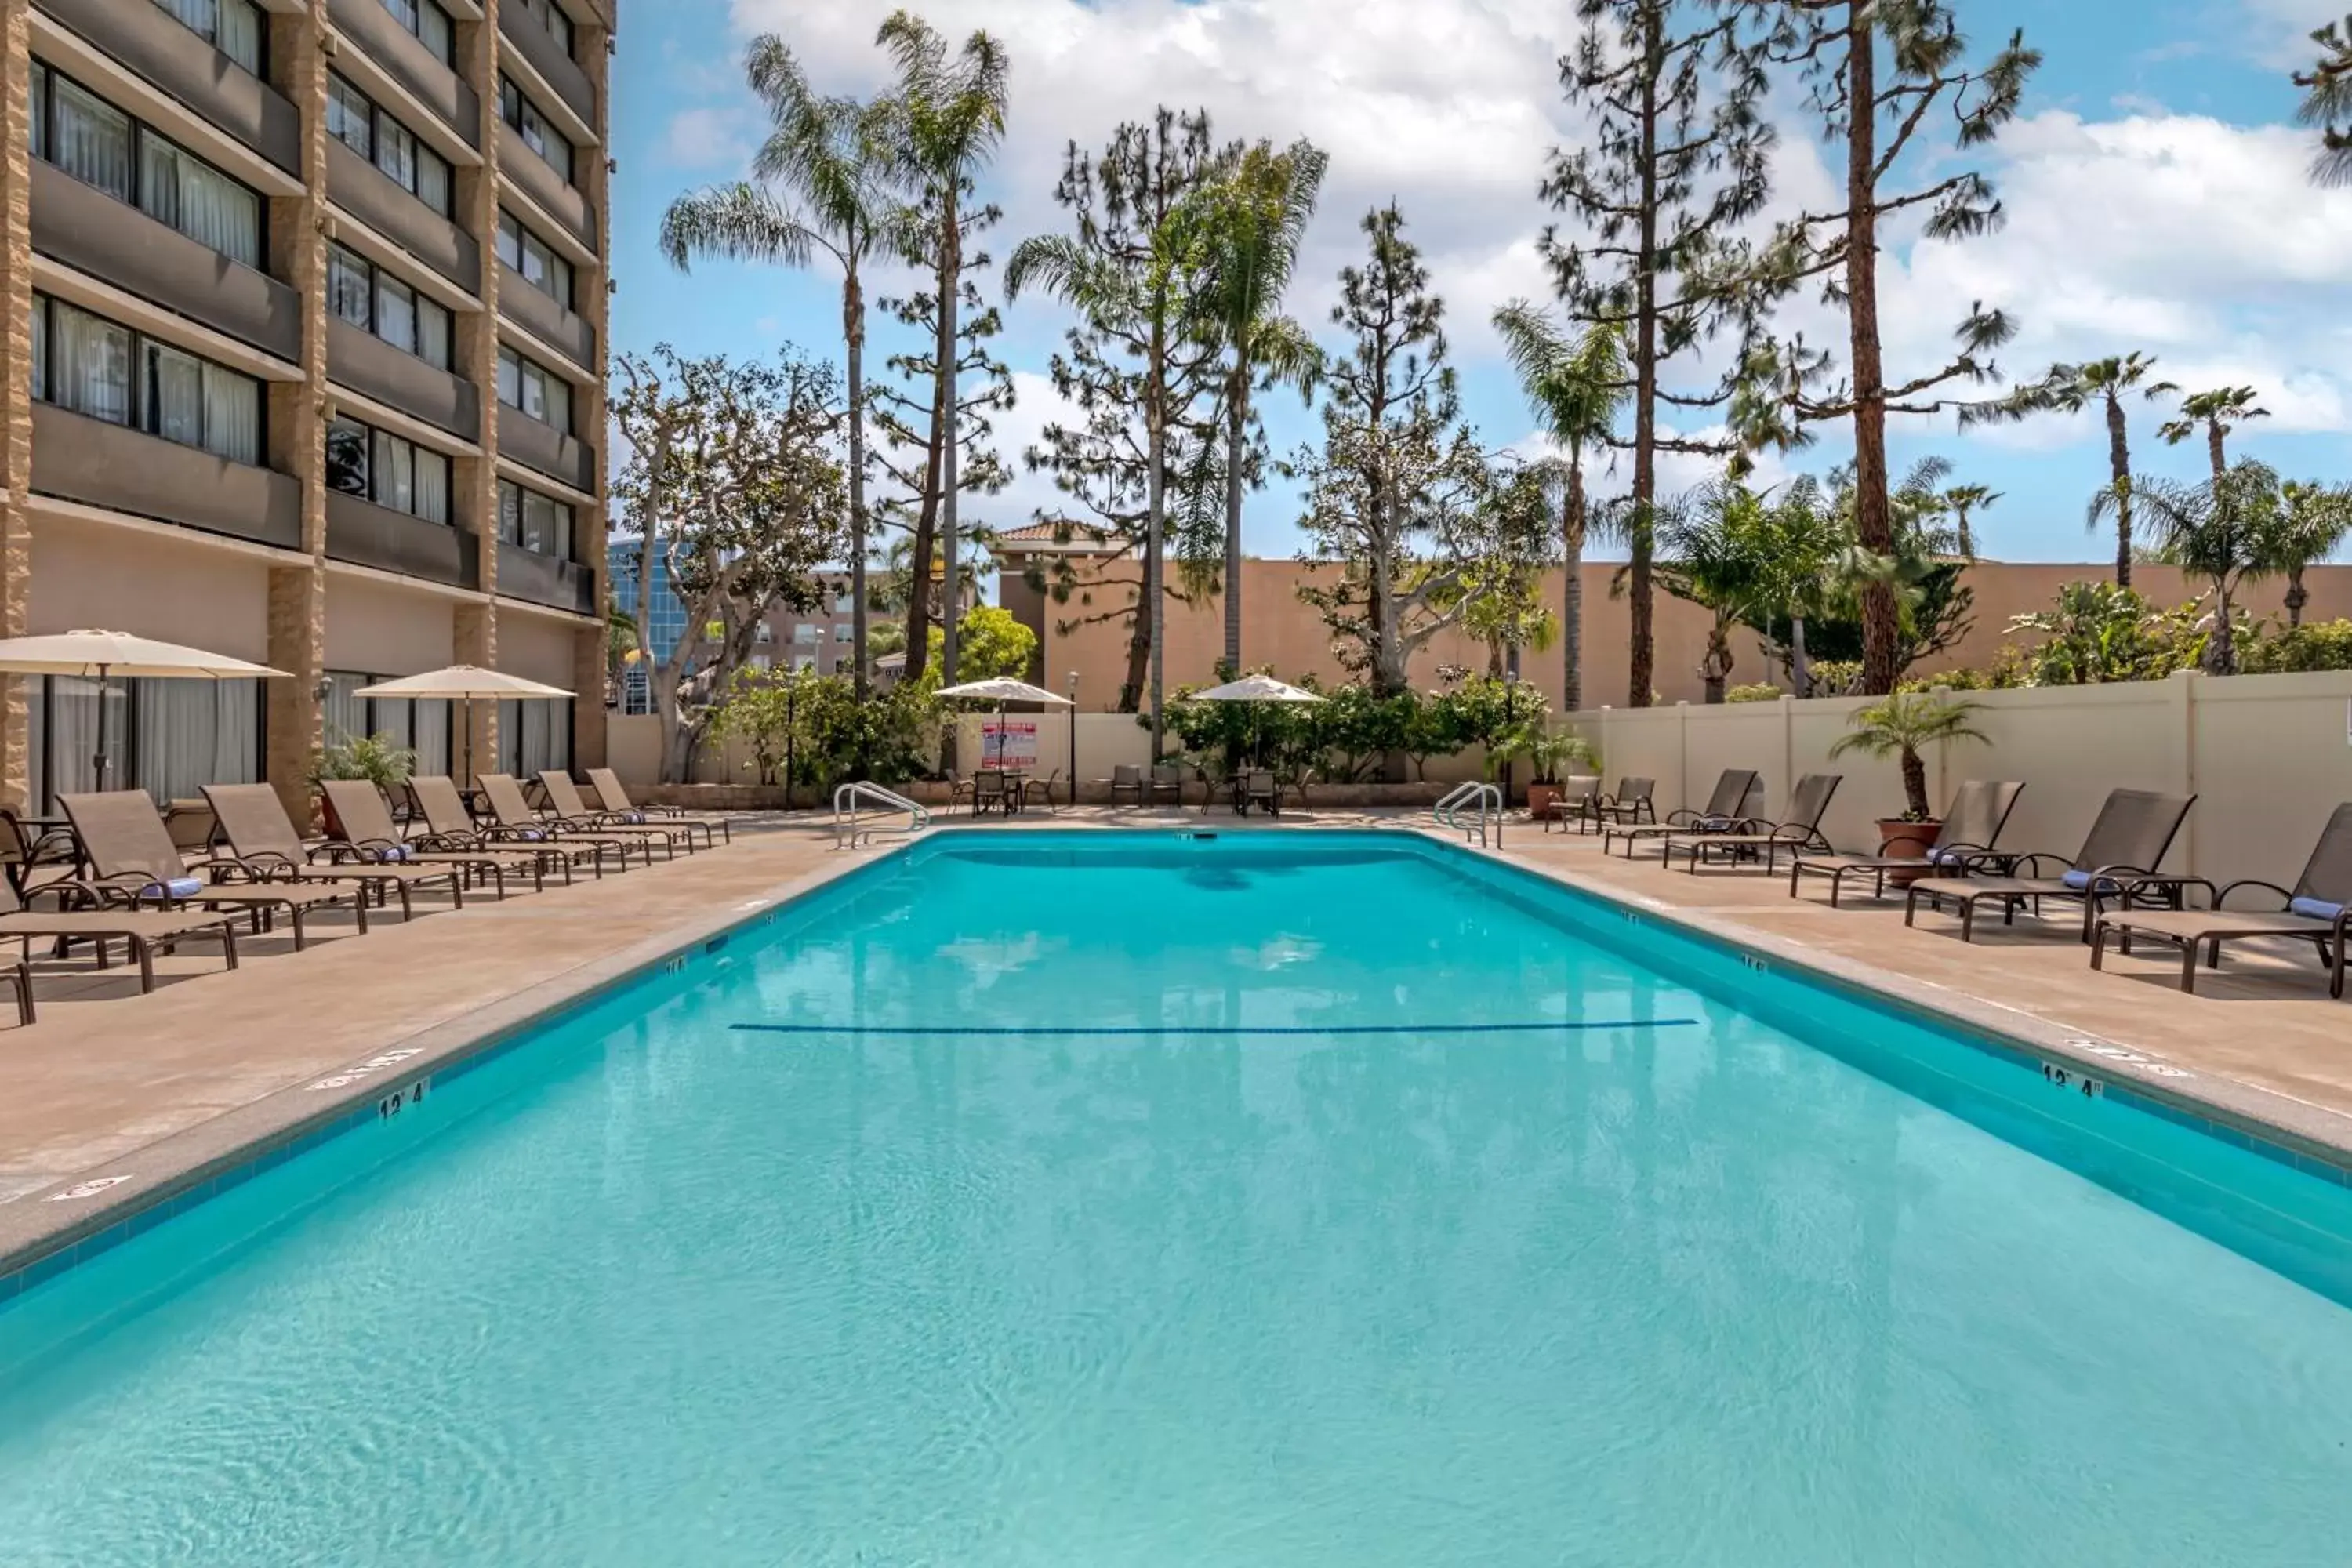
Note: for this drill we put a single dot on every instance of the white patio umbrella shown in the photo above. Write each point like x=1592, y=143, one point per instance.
x=1001, y=689
x=462, y=683
x=102, y=656
x=1254, y=689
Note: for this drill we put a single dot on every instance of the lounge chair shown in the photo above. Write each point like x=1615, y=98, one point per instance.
x=20, y=980
x=364, y=823
x=2316, y=909
x=263, y=842
x=1980, y=810
x=1727, y=808
x=511, y=815
x=30, y=856
x=614, y=798
x=564, y=796
x=1631, y=805
x=2133, y=829
x=1126, y=778
x=133, y=861
x=98, y=922
x=1802, y=830
x=449, y=826
x=1574, y=799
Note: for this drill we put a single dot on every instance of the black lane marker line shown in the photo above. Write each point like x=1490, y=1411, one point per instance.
x=1221, y=1029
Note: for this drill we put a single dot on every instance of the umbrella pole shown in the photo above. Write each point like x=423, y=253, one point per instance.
x=98, y=761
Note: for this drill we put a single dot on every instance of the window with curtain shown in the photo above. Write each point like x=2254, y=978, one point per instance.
x=552, y=18
x=39, y=116
x=534, y=521
x=537, y=133
x=98, y=143
x=527, y=384
x=430, y=736
x=534, y=259
x=509, y=736
x=40, y=353
x=175, y=394
x=351, y=117
x=346, y=713
x=71, y=743
x=182, y=190
x=367, y=295
x=36, y=742
x=428, y=22
x=232, y=27
x=92, y=140
x=349, y=286
x=191, y=733
x=394, y=719
x=107, y=372
x=90, y=361
x=388, y=469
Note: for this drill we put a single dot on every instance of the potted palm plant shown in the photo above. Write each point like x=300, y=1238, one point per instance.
x=378, y=759
x=1901, y=726
x=1546, y=756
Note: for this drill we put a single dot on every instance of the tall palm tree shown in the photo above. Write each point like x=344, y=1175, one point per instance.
x=829, y=178
x=2220, y=411
x=1577, y=387
x=2069, y=389
x=1963, y=499
x=953, y=108
x=2315, y=520
x=1254, y=222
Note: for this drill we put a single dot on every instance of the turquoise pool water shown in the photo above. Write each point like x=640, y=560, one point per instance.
x=1127, y=1201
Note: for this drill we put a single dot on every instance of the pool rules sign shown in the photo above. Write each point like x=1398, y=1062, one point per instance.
x=1008, y=743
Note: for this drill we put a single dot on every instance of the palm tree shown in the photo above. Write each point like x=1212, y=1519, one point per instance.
x=953, y=112
x=829, y=179
x=2225, y=531
x=1801, y=567
x=1901, y=726
x=1964, y=500
x=1576, y=386
x=1713, y=550
x=2220, y=411
x=2069, y=389
x=2313, y=521
x=1256, y=222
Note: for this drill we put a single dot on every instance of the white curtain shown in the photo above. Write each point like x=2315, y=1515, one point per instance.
x=195, y=732
x=509, y=736
x=559, y=401
x=200, y=201
x=395, y=473
x=93, y=142
x=239, y=36
x=432, y=485
x=73, y=734
x=559, y=734
x=40, y=348
x=431, y=333
x=93, y=363
x=232, y=414
x=350, y=118
x=431, y=29
x=431, y=184
x=37, y=739
x=346, y=715
x=175, y=396
x=396, y=153
x=432, y=737
x=348, y=286
x=395, y=312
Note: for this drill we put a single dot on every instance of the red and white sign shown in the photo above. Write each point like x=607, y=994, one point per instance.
x=1008, y=743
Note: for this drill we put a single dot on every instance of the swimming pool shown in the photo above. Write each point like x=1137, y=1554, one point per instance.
x=1275, y=1199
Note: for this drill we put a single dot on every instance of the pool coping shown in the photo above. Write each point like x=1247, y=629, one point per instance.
x=53, y=1229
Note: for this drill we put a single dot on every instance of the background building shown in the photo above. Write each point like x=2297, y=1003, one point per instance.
x=305, y=358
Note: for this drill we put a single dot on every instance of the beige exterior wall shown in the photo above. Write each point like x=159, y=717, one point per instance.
x=380, y=628
x=538, y=647
x=152, y=581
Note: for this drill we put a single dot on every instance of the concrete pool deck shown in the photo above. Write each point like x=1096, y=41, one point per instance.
x=112, y=1097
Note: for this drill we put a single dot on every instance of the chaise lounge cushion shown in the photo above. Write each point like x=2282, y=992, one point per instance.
x=175, y=888
x=2314, y=909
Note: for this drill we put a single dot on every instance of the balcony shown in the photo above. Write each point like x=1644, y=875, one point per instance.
x=366, y=535
x=408, y=62
x=538, y=579
x=558, y=69
x=82, y=460
x=536, y=178
x=564, y=458
x=144, y=39
x=362, y=190
x=84, y=227
x=360, y=360
x=539, y=315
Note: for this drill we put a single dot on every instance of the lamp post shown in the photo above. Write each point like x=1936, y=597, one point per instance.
x=1074, y=737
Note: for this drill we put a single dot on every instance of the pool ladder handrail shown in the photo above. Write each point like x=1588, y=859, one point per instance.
x=1489, y=801
x=849, y=828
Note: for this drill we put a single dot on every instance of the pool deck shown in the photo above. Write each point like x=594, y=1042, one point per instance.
x=112, y=1099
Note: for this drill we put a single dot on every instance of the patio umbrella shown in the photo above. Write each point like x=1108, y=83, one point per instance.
x=103, y=655
x=1255, y=688
x=462, y=683
x=1001, y=689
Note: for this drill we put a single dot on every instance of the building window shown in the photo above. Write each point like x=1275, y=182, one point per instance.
x=353, y=120
x=845, y=632
x=537, y=134
x=101, y=369
x=429, y=23
x=170, y=738
x=368, y=297
x=551, y=17
x=232, y=27
x=764, y=633
x=527, y=384
x=535, y=736
x=534, y=259
x=99, y=145
x=390, y=470
x=533, y=521
x=808, y=632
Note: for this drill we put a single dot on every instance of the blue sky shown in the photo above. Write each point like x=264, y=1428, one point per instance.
x=2154, y=185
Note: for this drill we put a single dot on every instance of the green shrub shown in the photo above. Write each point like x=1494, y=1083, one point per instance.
x=1836, y=676
x=1761, y=692
x=2322, y=645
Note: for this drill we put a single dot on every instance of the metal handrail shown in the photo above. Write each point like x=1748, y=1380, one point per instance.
x=1489, y=799
x=850, y=825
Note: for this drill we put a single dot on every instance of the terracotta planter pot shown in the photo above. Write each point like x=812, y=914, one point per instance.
x=1543, y=800
x=1901, y=840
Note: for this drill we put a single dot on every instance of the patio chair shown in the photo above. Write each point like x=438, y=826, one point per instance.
x=1167, y=782
x=2316, y=909
x=2133, y=829
x=989, y=791
x=1727, y=808
x=1802, y=830
x=263, y=842
x=133, y=861
x=511, y=815
x=1260, y=787
x=364, y=823
x=1972, y=825
x=1042, y=789
x=449, y=826
x=564, y=796
x=98, y=922
x=31, y=856
x=1631, y=805
x=1126, y=778
x=20, y=979
x=1575, y=799
x=613, y=797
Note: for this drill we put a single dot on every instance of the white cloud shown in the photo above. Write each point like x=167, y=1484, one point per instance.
x=716, y=138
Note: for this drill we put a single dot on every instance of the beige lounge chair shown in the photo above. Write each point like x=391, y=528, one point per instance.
x=1980, y=810
x=1802, y=829
x=449, y=826
x=1574, y=800
x=564, y=795
x=145, y=931
x=1126, y=779
x=262, y=841
x=364, y=824
x=2133, y=829
x=2316, y=909
x=1727, y=808
x=1632, y=803
x=614, y=798
x=133, y=861
x=510, y=815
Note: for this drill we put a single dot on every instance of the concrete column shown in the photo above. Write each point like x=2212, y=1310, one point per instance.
x=477, y=638
x=475, y=482
x=15, y=389
x=593, y=297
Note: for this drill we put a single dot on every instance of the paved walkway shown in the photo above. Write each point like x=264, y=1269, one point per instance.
x=214, y=1059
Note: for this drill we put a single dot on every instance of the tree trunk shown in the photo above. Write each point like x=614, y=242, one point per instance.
x=952, y=440
x=1138, y=659
x=2214, y=447
x=1155, y=416
x=1643, y=675
x=2297, y=596
x=1873, y=522
x=2221, y=653
x=1572, y=609
x=2119, y=474
x=1914, y=783
x=1236, y=434
x=852, y=332
x=1801, y=669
